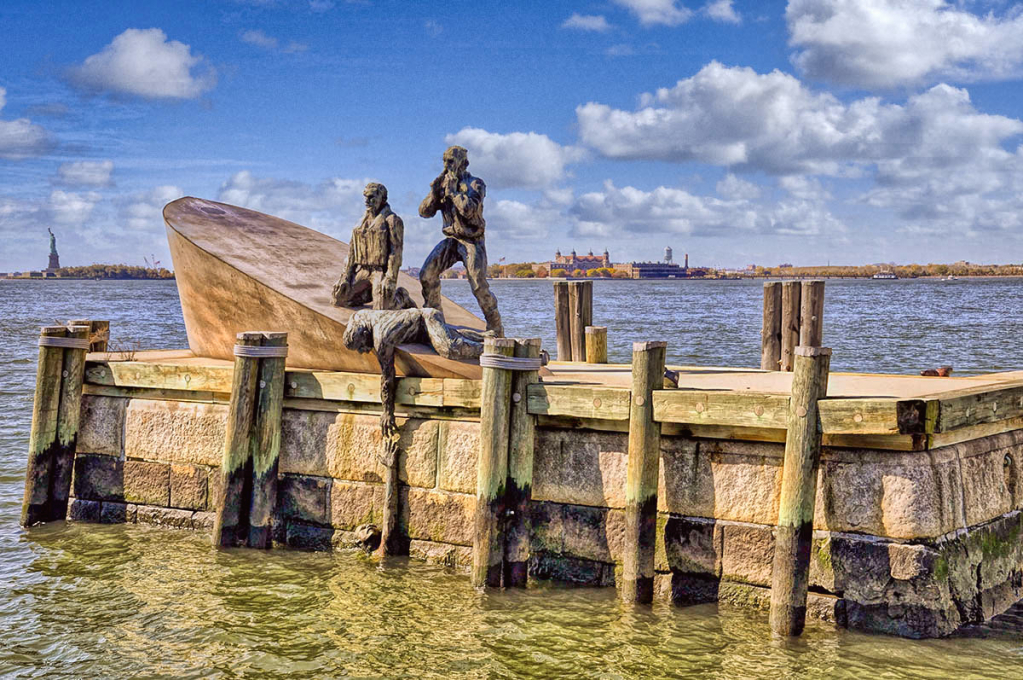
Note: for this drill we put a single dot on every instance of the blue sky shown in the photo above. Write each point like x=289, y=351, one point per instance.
x=808, y=131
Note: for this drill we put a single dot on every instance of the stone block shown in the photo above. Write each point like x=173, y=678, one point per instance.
x=686, y=589
x=747, y=553
x=353, y=504
x=304, y=498
x=189, y=487
x=547, y=528
x=689, y=545
x=686, y=483
x=147, y=483
x=596, y=534
x=98, y=477
x=80, y=510
x=985, y=489
x=910, y=502
x=101, y=428
x=441, y=553
x=561, y=569
x=308, y=536
x=164, y=517
x=458, y=446
x=204, y=521
x=304, y=442
x=113, y=512
x=580, y=467
x=353, y=448
x=417, y=465
x=849, y=497
x=175, y=432
x=438, y=516
x=747, y=480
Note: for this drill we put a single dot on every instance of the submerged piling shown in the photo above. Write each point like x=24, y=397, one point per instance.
x=641, y=475
x=770, y=339
x=562, y=320
x=232, y=501
x=794, y=537
x=492, y=467
x=596, y=344
x=267, y=445
x=522, y=432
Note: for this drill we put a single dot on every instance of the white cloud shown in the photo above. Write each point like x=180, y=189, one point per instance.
x=722, y=10
x=267, y=42
x=587, y=22
x=143, y=62
x=433, y=27
x=70, y=208
x=737, y=118
x=891, y=43
x=657, y=12
x=86, y=173
x=144, y=211
x=21, y=138
x=733, y=188
x=520, y=159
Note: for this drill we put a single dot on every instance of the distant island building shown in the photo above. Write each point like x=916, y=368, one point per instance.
x=666, y=269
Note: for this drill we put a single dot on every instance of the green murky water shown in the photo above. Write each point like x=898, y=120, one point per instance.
x=134, y=601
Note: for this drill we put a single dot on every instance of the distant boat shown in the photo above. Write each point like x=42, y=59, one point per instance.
x=885, y=276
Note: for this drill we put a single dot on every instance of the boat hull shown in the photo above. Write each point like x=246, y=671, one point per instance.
x=240, y=270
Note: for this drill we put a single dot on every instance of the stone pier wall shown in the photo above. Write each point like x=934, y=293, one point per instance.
x=916, y=544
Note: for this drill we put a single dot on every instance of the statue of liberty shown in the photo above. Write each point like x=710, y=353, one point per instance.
x=54, y=257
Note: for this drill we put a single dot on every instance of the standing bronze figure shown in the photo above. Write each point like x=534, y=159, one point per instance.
x=458, y=196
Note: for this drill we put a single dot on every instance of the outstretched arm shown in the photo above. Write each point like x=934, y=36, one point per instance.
x=434, y=201
x=396, y=232
x=446, y=340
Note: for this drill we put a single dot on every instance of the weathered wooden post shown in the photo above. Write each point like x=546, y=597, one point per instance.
x=596, y=344
x=69, y=415
x=770, y=334
x=232, y=501
x=267, y=445
x=811, y=314
x=641, y=475
x=99, y=333
x=580, y=295
x=794, y=536
x=789, y=323
x=522, y=431
x=43, y=437
x=562, y=320
x=492, y=466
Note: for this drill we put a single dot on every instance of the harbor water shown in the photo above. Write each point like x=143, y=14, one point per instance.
x=117, y=601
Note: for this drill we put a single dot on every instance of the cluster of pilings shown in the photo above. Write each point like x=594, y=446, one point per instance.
x=793, y=316
x=578, y=340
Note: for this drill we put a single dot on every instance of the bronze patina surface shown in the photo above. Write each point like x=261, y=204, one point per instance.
x=239, y=270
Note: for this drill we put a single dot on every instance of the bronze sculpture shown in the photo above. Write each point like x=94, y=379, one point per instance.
x=370, y=273
x=458, y=196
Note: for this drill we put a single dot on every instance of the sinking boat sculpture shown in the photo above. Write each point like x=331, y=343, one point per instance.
x=240, y=270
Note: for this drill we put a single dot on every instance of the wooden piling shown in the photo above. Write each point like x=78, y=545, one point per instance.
x=770, y=334
x=790, y=294
x=580, y=295
x=522, y=431
x=99, y=333
x=596, y=344
x=641, y=474
x=811, y=314
x=492, y=467
x=267, y=445
x=562, y=320
x=43, y=436
x=68, y=419
x=235, y=488
x=794, y=536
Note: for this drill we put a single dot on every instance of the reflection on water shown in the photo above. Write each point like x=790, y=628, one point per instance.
x=120, y=601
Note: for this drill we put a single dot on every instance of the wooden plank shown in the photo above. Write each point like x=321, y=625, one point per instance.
x=873, y=416
x=160, y=376
x=971, y=432
x=157, y=394
x=573, y=423
x=977, y=405
x=736, y=409
x=365, y=388
x=758, y=434
x=356, y=408
x=581, y=401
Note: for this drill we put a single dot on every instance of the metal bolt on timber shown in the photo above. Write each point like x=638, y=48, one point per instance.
x=492, y=467
x=267, y=445
x=790, y=295
x=522, y=432
x=43, y=437
x=811, y=314
x=794, y=537
x=69, y=415
x=596, y=344
x=641, y=474
x=580, y=296
x=770, y=340
x=232, y=501
x=562, y=320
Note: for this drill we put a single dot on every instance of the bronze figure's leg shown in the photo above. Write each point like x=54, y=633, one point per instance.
x=437, y=262
x=356, y=292
x=475, y=257
x=446, y=340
